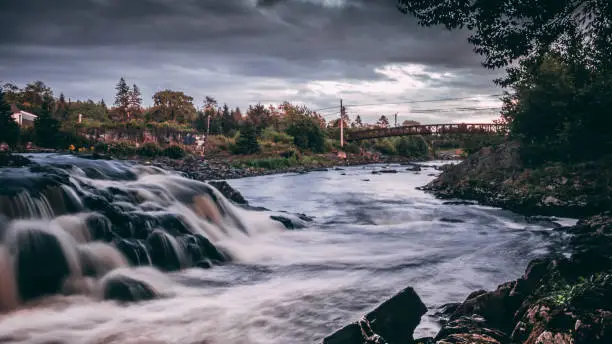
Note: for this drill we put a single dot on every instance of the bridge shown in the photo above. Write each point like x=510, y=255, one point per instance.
x=425, y=129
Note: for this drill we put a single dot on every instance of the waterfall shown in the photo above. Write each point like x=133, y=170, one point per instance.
x=78, y=226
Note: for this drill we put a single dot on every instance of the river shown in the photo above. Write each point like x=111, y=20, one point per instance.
x=371, y=236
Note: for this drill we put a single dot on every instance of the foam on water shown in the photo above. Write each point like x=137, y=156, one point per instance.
x=368, y=240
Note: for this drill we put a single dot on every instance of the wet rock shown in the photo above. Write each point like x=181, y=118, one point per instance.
x=449, y=220
x=287, y=222
x=41, y=262
x=414, y=168
x=12, y=160
x=164, y=251
x=388, y=171
x=468, y=330
x=123, y=288
x=392, y=322
x=134, y=250
x=229, y=192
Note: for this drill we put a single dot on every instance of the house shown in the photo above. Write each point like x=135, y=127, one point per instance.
x=24, y=119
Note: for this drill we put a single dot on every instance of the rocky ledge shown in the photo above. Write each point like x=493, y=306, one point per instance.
x=497, y=177
x=558, y=300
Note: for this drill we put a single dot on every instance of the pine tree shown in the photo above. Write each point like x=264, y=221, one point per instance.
x=135, y=106
x=383, y=122
x=9, y=130
x=122, y=98
x=103, y=104
x=61, y=112
x=357, y=123
x=247, y=141
x=46, y=128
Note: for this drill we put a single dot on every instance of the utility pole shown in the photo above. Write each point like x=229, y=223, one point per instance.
x=341, y=124
x=208, y=126
x=396, y=119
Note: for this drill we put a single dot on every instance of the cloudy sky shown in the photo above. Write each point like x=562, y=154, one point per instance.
x=243, y=52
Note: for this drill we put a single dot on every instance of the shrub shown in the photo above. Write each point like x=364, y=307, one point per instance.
x=100, y=147
x=174, y=152
x=385, y=146
x=269, y=134
x=412, y=146
x=247, y=141
x=307, y=134
x=271, y=163
x=150, y=150
x=352, y=148
x=122, y=149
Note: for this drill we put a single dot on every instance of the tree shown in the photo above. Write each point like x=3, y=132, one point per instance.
x=383, y=122
x=247, y=140
x=409, y=122
x=9, y=130
x=259, y=116
x=357, y=123
x=506, y=30
x=135, y=101
x=228, y=122
x=172, y=106
x=46, y=128
x=307, y=133
x=103, y=104
x=61, y=110
x=122, y=98
x=412, y=147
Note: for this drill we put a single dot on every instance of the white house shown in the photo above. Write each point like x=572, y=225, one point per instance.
x=24, y=118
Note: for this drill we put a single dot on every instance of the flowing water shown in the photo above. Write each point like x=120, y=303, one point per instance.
x=233, y=275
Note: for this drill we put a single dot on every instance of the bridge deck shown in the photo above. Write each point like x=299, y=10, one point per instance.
x=425, y=129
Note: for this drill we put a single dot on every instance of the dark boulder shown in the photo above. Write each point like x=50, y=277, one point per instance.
x=388, y=171
x=164, y=251
x=470, y=330
x=41, y=263
x=134, y=250
x=392, y=322
x=12, y=160
x=123, y=288
x=229, y=192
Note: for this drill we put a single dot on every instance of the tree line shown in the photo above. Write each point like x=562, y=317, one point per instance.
x=558, y=58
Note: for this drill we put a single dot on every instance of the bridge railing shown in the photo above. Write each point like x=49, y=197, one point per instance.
x=425, y=129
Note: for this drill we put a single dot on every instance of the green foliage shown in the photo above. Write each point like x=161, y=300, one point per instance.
x=269, y=134
x=352, y=148
x=68, y=137
x=46, y=128
x=307, y=133
x=90, y=111
x=385, y=146
x=172, y=106
x=122, y=98
x=412, y=146
x=564, y=294
x=174, y=152
x=101, y=147
x=9, y=130
x=271, y=163
x=508, y=30
x=149, y=149
x=122, y=149
x=247, y=141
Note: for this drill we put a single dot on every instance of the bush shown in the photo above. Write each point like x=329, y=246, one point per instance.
x=100, y=147
x=247, y=141
x=150, y=150
x=412, y=146
x=174, y=152
x=307, y=134
x=269, y=134
x=122, y=149
x=473, y=143
x=385, y=146
x=272, y=163
x=352, y=148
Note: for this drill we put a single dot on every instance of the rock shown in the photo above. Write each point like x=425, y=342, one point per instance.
x=388, y=171
x=287, y=222
x=445, y=219
x=550, y=201
x=123, y=288
x=393, y=322
x=470, y=330
x=13, y=160
x=229, y=192
x=415, y=168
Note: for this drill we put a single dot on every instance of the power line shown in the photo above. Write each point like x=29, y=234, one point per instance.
x=420, y=101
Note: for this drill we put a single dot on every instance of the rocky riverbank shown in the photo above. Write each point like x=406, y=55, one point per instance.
x=558, y=300
x=498, y=177
x=217, y=169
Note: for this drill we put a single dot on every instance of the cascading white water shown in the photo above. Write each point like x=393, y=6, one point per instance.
x=71, y=224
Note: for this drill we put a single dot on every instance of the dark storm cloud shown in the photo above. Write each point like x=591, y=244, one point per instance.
x=237, y=50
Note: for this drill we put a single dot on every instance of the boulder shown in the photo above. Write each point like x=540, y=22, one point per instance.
x=393, y=322
x=124, y=288
x=229, y=192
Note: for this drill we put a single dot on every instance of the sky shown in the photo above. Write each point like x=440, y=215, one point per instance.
x=241, y=52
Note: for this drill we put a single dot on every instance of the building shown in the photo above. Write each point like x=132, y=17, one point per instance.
x=24, y=119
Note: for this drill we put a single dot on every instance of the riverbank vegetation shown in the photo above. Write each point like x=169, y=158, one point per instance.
x=286, y=134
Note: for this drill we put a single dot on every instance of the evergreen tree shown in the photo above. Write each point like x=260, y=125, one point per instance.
x=135, y=105
x=383, y=122
x=9, y=130
x=103, y=104
x=200, y=122
x=228, y=122
x=61, y=111
x=46, y=128
x=247, y=141
x=122, y=98
x=357, y=123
